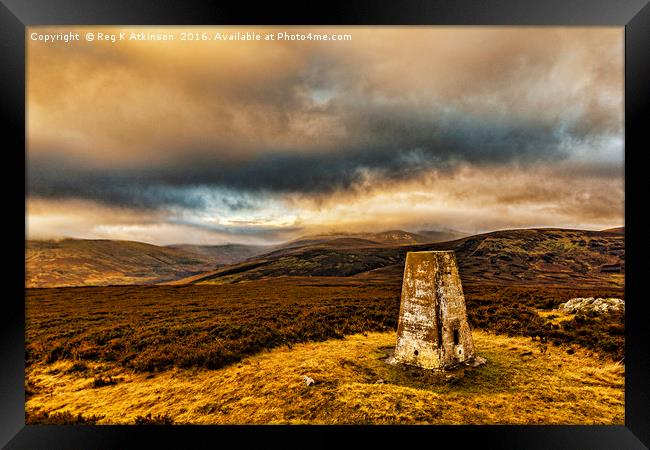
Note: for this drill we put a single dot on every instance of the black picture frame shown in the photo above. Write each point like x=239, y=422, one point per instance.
x=16, y=15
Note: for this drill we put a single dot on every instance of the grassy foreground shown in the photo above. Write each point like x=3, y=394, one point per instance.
x=524, y=382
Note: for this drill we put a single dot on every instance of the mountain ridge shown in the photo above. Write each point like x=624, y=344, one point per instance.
x=546, y=255
x=551, y=256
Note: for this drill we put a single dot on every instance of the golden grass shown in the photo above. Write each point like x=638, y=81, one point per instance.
x=555, y=316
x=521, y=384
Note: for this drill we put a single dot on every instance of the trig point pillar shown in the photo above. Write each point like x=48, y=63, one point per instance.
x=433, y=332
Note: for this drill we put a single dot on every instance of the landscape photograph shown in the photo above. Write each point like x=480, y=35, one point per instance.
x=324, y=225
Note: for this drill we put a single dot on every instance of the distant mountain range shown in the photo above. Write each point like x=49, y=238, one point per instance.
x=542, y=256
x=222, y=254
x=528, y=256
x=396, y=237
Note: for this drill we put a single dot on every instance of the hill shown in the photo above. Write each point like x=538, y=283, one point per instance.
x=394, y=237
x=526, y=256
x=390, y=237
x=617, y=230
x=78, y=262
x=441, y=235
x=222, y=254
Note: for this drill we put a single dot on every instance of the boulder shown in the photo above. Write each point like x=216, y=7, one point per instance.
x=597, y=305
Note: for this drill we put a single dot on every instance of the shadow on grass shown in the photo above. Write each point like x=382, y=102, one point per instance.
x=495, y=376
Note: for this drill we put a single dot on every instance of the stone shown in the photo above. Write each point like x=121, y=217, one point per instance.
x=308, y=380
x=597, y=305
x=433, y=332
x=476, y=361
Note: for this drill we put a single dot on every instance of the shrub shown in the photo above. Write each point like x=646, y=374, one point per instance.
x=101, y=381
x=160, y=419
x=58, y=352
x=60, y=418
x=77, y=367
x=151, y=328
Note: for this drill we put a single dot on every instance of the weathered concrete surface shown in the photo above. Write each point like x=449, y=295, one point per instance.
x=433, y=332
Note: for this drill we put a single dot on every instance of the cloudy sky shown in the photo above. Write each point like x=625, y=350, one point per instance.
x=471, y=129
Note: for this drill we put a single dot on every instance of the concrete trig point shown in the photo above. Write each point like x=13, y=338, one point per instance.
x=433, y=332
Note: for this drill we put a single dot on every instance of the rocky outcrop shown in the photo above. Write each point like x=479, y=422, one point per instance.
x=597, y=305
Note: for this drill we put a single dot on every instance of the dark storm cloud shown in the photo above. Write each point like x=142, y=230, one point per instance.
x=59, y=178
x=397, y=146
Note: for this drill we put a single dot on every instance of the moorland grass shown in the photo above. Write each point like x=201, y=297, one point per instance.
x=154, y=328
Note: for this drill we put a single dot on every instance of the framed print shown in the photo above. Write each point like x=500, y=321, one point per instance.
x=408, y=222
